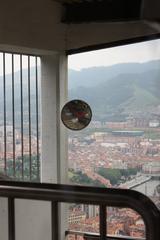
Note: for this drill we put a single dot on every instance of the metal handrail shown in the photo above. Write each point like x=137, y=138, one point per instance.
x=104, y=197
x=90, y=235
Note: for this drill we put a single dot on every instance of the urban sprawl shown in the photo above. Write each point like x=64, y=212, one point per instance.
x=119, y=155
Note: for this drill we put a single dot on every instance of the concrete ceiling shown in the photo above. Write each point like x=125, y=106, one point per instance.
x=82, y=11
x=86, y=11
x=35, y=26
x=150, y=9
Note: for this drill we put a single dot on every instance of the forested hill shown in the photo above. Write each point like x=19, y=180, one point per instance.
x=129, y=88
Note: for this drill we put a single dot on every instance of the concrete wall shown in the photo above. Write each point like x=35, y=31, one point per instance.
x=3, y=218
x=33, y=220
x=32, y=24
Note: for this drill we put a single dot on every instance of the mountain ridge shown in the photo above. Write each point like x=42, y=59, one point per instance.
x=118, y=90
x=123, y=94
x=90, y=76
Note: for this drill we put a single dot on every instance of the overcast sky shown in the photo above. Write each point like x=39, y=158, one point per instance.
x=140, y=52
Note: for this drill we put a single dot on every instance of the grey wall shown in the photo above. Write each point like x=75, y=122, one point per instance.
x=3, y=218
x=33, y=220
x=32, y=24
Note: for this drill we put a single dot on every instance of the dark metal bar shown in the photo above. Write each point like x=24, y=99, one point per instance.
x=54, y=220
x=13, y=117
x=11, y=219
x=20, y=52
x=4, y=105
x=29, y=119
x=102, y=224
x=90, y=235
x=89, y=195
x=21, y=90
x=37, y=121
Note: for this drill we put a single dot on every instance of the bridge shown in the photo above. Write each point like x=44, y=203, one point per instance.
x=135, y=182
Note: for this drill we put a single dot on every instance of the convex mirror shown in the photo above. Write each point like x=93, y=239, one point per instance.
x=76, y=114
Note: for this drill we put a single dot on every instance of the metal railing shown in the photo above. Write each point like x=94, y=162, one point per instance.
x=19, y=116
x=91, y=236
x=56, y=193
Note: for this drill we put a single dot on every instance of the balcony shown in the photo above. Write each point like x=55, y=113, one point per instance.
x=30, y=210
x=56, y=194
x=26, y=200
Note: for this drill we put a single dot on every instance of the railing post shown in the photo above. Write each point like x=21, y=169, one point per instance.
x=103, y=232
x=4, y=113
x=54, y=220
x=11, y=219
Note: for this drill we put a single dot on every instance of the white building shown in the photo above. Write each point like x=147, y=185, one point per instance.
x=154, y=123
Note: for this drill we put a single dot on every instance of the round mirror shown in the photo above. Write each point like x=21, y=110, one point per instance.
x=76, y=114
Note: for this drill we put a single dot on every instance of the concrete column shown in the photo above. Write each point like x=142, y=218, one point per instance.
x=62, y=135
x=53, y=96
x=62, y=143
x=54, y=88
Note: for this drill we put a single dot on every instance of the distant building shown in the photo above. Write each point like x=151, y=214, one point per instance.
x=90, y=210
x=119, y=164
x=99, y=136
x=128, y=133
x=154, y=123
x=76, y=217
x=141, y=122
x=151, y=168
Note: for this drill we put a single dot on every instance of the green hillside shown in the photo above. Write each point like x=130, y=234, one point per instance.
x=126, y=93
x=141, y=99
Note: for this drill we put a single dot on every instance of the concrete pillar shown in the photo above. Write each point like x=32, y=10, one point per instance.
x=53, y=96
x=54, y=88
x=62, y=141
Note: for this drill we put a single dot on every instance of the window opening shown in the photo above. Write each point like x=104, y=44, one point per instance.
x=121, y=146
x=19, y=117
